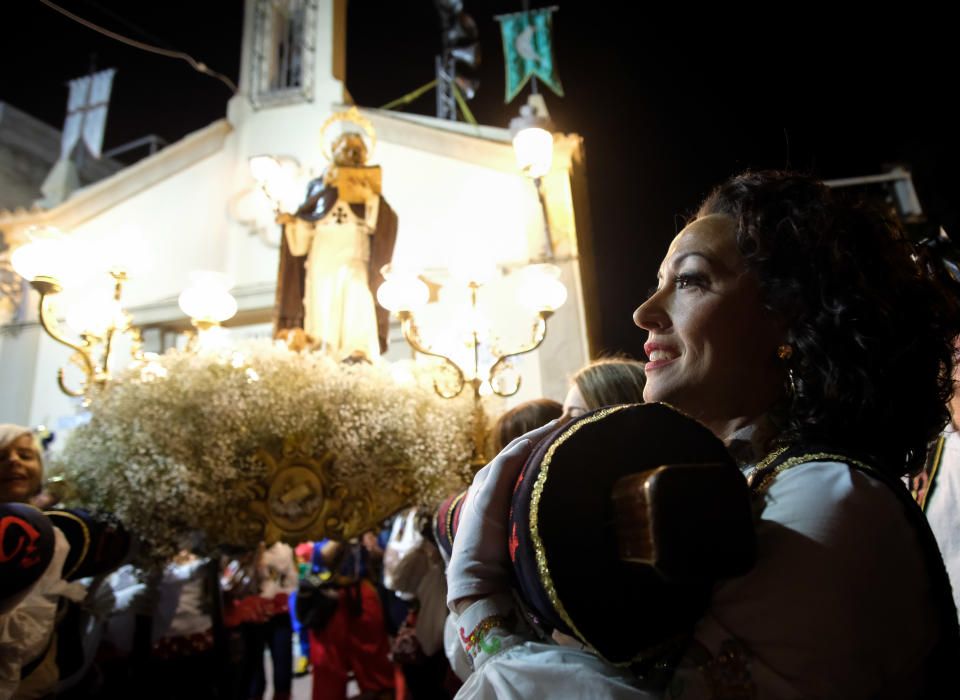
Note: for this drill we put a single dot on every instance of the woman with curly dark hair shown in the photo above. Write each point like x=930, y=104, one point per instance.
x=869, y=340
x=846, y=344
x=805, y=333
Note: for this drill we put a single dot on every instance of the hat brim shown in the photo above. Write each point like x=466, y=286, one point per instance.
x=97, y=545
x=563, y=539
x=27, y=544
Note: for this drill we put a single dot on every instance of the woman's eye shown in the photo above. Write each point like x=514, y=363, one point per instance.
x=686, y=280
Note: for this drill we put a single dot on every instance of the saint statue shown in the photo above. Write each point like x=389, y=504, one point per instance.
x=333, y=249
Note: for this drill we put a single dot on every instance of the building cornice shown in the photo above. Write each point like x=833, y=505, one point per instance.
x=89, y=202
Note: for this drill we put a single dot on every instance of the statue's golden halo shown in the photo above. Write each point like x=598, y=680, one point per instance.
x=352, y=116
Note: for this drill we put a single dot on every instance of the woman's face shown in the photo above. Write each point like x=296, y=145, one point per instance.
x=20, y=470
x=574, y=404
x=712, y=346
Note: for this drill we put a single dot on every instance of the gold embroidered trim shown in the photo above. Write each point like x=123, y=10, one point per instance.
x=674, y=409
x=543, y=567
x=760, y=466
x=86, y=540
x=760, y=482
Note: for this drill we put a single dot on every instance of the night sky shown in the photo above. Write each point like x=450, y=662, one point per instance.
x=669, y=103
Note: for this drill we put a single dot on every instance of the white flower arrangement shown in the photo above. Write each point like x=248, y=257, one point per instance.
x=171, y=441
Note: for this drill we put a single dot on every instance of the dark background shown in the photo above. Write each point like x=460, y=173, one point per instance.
x=670, y=100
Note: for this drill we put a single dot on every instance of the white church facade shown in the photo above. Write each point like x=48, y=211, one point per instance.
x=458, y=194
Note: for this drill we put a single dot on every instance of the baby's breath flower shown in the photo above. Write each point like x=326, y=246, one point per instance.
x=169, y=447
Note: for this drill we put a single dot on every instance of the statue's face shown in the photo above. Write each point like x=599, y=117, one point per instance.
x=349, y=149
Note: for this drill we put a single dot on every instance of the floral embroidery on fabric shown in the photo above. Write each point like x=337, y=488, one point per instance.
x=479, y=641
x=728, y=673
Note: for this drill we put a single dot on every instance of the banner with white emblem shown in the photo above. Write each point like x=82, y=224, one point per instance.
x=528, y=50
x=87, y=112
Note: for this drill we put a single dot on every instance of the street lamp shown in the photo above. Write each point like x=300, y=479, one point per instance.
x=208, y=303
x=533, y=147
x=533, y=138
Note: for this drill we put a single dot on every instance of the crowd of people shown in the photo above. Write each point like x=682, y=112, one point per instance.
x=799, y=348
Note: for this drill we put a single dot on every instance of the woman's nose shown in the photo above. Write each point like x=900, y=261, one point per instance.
x=651, y=315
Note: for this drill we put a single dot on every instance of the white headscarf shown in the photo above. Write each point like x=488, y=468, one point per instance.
x=10, y=432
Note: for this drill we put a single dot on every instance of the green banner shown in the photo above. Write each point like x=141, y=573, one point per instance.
x=528, y=50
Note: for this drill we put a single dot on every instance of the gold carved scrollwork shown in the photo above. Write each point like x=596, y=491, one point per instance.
x=303, y=497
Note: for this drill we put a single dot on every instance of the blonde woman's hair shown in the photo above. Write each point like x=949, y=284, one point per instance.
x=610, y=381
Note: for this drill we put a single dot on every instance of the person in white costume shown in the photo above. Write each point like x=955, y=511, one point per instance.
x=28, y=665
x=937, y=490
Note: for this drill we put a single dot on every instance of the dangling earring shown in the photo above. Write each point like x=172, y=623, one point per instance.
x=784, y=353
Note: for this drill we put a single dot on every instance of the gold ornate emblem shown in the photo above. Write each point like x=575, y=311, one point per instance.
x=302, y=497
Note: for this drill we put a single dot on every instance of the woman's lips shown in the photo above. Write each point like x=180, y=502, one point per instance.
x=659, y=355
x=657, y=364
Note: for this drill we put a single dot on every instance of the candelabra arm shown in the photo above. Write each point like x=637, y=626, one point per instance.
x=67, y=390
x=479, y=433
x=119, y=277
x=548, y=237
x=412, y=336
x=48, y=322
x=539, y=333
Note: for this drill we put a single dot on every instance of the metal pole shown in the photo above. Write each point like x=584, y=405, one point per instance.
x=548, y=239
x=533, y=78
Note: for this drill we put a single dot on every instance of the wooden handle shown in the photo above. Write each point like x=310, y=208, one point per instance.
x=691, y=522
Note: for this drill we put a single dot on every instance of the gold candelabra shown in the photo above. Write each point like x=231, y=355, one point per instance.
x=411, y=334
x=49, y=257
x=92, y=353
x=544, y=292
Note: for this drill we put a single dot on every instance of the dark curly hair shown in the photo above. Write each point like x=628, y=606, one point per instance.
x=872, y=332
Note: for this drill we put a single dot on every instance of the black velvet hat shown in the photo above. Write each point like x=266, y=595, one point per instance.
x=446, y=521
x=622, y=520
x=98, y=545
x=26, y=549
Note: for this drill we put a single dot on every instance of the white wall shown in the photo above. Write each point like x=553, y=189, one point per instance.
x=165, y=231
